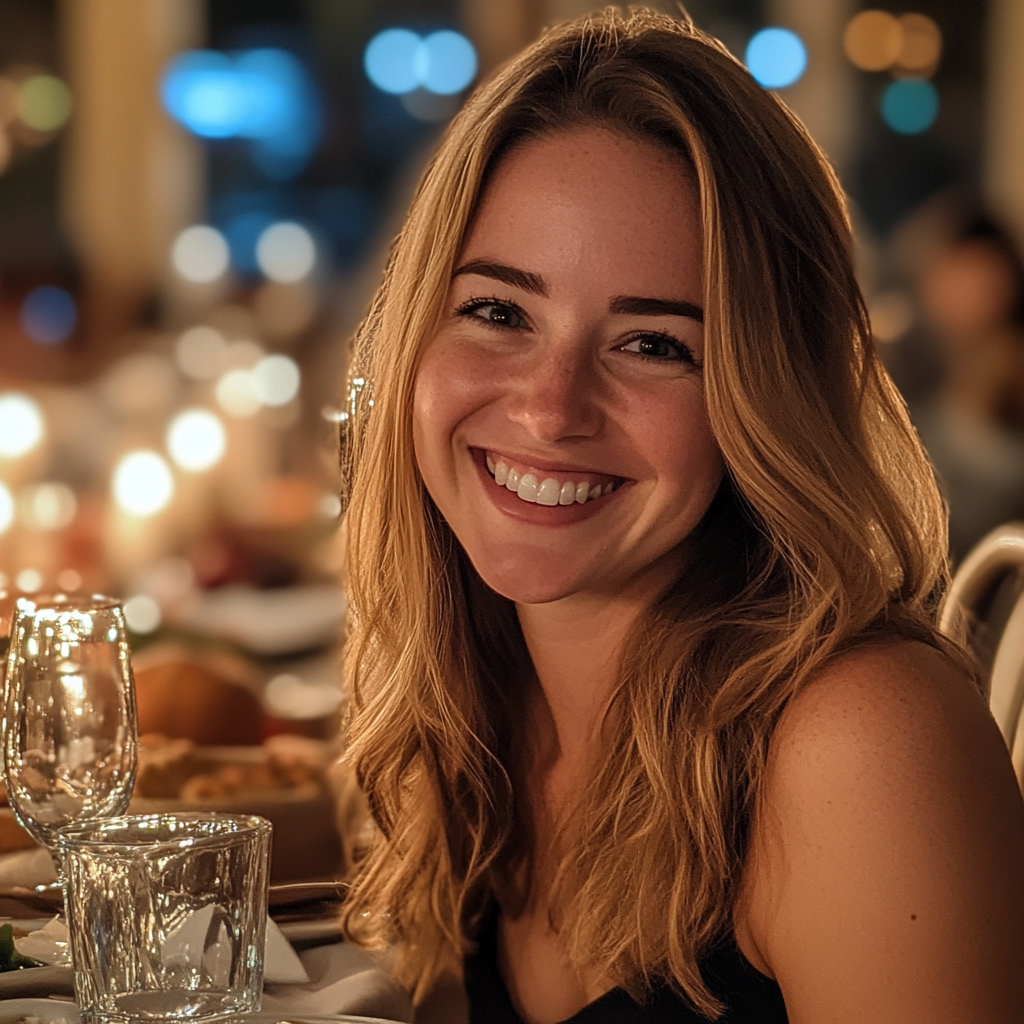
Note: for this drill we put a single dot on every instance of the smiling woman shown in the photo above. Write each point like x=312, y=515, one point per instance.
x=649, y=702
x=582, y=374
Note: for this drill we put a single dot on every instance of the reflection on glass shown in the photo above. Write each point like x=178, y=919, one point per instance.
x=70, y=744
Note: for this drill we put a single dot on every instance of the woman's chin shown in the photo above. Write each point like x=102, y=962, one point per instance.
x=530, y=585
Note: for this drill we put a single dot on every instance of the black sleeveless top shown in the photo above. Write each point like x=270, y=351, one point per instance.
x=750, y=997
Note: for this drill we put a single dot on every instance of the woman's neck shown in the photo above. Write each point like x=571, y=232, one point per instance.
x=575, y=647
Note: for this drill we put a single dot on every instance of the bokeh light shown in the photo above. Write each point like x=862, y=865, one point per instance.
x=202, y=91
x=873, y=40
x=276, y=380
x=28, y=581
x=21, y=424
x=892, y=315
x=200, y=254
x=265, y=95
x=199, y=352
x=6, y=507
x=288, y=696
x=196, y=440
x=776, y=57
x=398, y=61
x=143, y=483
x=921, y=44
x=877, y=41
x=236, y=394
x=69, y=580
x=450, y=63
x=49, y=315
x=910, y=105
x=329, y=506
x=219, y=96
x=142, y=614
x=286, y=252
x=48, y=506
x=44, y=103
x=393, y=60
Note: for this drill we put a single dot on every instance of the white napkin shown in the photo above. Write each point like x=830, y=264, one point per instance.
x=282, y=965
x=342, y=979
x=49, y=944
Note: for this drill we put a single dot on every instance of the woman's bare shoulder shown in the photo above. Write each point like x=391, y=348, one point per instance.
x=891, y=695
x=885, y=879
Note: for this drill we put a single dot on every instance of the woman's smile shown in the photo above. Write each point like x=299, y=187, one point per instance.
x=559, y=415
x=533, y=484
x=543, y=494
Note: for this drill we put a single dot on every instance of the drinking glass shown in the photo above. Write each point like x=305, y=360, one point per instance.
x=69, y=727
x=167, y=915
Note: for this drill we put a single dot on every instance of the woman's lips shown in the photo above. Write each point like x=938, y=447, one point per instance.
x=560, y=487
x=542, y=496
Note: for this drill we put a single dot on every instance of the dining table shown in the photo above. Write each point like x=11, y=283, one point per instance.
x=311, y=974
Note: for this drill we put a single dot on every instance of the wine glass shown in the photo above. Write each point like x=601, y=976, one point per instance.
x=69, y=727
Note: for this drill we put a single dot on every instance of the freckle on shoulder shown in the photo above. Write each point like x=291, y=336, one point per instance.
x=901, y=695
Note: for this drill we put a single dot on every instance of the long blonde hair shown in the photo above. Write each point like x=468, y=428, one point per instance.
x=827, y=530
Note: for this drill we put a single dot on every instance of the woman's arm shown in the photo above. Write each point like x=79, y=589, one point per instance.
x=886, y=881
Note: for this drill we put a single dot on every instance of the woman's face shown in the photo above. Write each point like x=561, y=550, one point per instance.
x=559, y=417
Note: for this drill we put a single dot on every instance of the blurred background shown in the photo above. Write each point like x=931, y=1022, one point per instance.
x=196, y=199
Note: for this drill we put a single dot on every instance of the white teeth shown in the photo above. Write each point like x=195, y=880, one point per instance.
x=549, y=492
x=527, y=489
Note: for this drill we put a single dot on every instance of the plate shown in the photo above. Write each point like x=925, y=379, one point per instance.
x=53, y=1011
x=37, y=981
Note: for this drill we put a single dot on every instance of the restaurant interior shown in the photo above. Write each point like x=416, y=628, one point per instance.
x=197, y=199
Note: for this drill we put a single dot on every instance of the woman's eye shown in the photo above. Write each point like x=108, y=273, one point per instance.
x=659, y=347
x=494, y=314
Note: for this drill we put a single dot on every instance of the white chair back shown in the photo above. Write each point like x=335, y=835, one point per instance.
x=997, y=559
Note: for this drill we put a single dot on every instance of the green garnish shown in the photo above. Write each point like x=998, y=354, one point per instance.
x=10, y=958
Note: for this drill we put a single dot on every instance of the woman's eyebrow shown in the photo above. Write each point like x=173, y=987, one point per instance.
x=636, y=306
x=523, y=279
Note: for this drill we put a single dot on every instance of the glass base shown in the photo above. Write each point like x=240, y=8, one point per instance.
x=181, y=1004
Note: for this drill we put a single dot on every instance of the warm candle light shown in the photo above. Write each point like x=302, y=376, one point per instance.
x=143, y=483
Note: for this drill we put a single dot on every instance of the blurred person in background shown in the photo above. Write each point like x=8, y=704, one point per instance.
x=650, y=705
x=972, y=302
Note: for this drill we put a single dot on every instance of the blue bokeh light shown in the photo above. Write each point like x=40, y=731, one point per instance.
x=392, y=60
x=202, y=91
x=265, y=95
x=910, y=105
x=450, y=63
x=398, y=61
x=49, y=315
x=776, y=57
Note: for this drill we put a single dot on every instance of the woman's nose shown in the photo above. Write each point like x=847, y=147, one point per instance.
x=557, y=398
